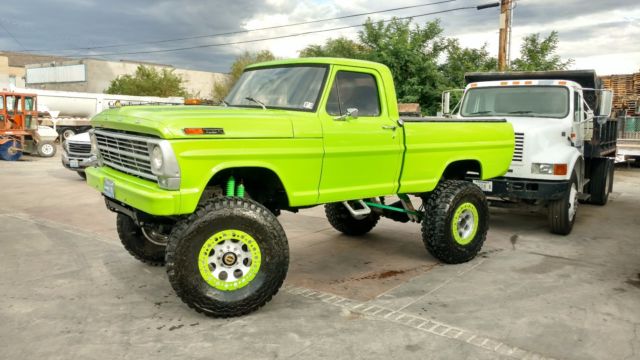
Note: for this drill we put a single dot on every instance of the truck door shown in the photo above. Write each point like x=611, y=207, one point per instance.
x=363, y=153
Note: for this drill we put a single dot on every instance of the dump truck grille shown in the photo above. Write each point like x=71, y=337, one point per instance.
x=81, y=150
x=126, y=153
x=518, y=152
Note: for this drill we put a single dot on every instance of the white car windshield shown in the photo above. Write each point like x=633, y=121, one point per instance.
x=529, y=101
x=287, y=87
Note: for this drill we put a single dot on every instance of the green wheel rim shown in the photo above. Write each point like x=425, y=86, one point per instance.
x=464, y=224
x=229, y=260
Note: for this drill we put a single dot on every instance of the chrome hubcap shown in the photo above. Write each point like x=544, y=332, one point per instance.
x=573, y=202
x=466, y=224
x=229, y=261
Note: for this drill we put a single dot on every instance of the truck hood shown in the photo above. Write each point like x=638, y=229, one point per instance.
x=169, y=122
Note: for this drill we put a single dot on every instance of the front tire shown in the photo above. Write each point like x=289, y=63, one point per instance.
x=228, y=258
x=562, y=212
x=456, y=222
x=143, y=243
x=341, y=219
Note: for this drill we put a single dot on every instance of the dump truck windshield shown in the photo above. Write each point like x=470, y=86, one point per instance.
x=528, y=101
x=291, y=87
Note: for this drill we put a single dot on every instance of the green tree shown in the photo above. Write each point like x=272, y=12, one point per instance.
x=148, y=81
x=463, y=60
x=538, y=54
x=221, y=89
x=340, y=47
x=411, y=53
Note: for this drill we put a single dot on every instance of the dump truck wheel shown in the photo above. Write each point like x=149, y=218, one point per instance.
x=562, y=213
x=456, y=222
x=601, y=182
x=228, y=258
x=46, y=149
x=342, y=220
x=11, y=150
x=145, y=244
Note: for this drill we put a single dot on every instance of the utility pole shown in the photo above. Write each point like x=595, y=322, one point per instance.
x=505, y=27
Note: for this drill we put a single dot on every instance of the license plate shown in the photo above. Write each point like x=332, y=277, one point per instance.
x=73, y=163
x=486, y=186
x=109, y=189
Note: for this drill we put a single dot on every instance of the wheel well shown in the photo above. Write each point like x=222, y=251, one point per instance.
x=261, y=184
x=459, y=169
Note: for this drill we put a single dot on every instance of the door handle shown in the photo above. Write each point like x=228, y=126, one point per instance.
x=389, y=127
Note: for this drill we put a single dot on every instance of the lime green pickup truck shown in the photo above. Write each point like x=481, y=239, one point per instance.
x=200, y=188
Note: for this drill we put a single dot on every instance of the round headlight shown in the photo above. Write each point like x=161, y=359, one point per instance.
x=156, y=158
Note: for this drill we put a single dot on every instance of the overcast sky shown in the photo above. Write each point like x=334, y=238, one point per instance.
x=603, y=35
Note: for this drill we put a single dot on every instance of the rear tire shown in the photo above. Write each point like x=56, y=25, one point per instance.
x=562, y=213
x=601, y=182
x=235, y=236
x=46, y=149
x=456, y=222
x=341, y=219
x=137, y=242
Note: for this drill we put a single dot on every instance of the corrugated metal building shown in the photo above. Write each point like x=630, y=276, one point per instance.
x=89, y=75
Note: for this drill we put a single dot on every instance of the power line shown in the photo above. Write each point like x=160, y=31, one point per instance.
x=271, y=38
x=11, y=35
x=245, y=31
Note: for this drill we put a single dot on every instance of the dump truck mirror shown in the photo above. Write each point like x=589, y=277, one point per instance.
x=606, y=101
x=351, y=113
x=446, y=102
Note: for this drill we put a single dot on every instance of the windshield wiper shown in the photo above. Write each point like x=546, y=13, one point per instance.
x=481, y=112
x=264, y=107
x=520, y=112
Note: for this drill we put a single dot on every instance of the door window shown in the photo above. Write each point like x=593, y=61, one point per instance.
x=354, y=90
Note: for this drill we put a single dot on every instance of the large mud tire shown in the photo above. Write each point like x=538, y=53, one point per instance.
x=342, y=220
x=222, y=229
x=456, y=221
x=137, y=243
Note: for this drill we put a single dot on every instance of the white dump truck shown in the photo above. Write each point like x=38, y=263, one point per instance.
x=565, y=140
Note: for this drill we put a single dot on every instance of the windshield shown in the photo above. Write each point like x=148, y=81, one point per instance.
x=292, y=87
x=530, y=101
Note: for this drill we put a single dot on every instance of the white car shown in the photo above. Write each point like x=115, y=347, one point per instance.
x=76, y=153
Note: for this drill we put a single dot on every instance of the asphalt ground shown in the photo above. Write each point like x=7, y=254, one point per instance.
x=70, y=291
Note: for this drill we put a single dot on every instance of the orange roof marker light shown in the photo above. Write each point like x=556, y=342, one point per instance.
x=515, y=82
x=503, y=83
x=562, y=83
x=528, y=82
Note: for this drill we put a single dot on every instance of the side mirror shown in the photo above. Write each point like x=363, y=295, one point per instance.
x=606, y=101
x=351, y=113
x=446, y=102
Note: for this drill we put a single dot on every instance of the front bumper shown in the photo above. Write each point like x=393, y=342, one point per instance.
x=83, y=163
x=522, y=189
x=137, y=193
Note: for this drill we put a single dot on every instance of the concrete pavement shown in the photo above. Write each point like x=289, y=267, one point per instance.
x=72, y=292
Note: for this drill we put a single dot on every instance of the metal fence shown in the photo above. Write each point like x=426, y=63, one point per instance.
x=629, y=128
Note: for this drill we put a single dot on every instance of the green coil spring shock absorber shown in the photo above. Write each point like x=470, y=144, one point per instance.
x=231, y=186
x=240, y=192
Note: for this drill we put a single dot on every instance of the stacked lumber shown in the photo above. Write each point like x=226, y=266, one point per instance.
x=626, y=92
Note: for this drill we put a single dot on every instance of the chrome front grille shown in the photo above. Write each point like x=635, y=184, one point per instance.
x=125, y=152
x=76, y=149
x=518, y=152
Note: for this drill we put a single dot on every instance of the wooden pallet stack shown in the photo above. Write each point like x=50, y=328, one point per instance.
x=626, y=92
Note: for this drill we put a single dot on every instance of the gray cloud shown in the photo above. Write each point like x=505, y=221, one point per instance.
x=51, y=25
